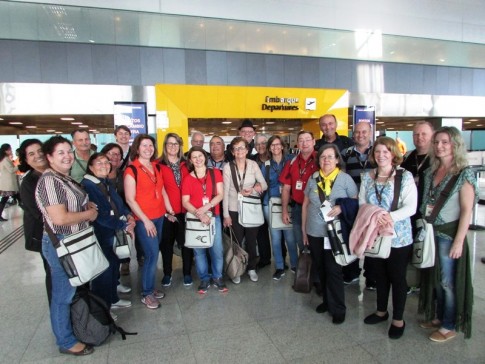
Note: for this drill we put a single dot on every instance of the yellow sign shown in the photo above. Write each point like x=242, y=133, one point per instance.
x=183, y=102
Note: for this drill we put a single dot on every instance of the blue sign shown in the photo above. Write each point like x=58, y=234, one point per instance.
x=365, y=114
x=133, y=115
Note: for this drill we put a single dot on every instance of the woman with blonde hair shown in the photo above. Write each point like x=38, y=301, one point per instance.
x=448, y=284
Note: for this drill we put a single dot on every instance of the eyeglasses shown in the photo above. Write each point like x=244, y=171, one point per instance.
x=260, y=144
x=172, y=145
x=99, y=163
x=113, y=154
x=275, y=145
x=238, y=149
x=328, y=157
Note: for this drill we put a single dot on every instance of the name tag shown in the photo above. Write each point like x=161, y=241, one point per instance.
x=299, y=185
x=429, y=210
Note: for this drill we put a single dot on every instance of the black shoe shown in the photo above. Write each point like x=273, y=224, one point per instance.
x=286, y=266
x=322, y=308
x=338, y=319
x=278, y=274
x=2, y=219
x=318, y=288
x=396, y=332
x=348, y=281
x=483, y=260
x=375, y=319
x=370, y=285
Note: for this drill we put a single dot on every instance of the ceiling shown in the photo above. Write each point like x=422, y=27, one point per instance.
x=50, y=124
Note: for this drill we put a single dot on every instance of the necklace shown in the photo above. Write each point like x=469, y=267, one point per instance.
x=379, y=193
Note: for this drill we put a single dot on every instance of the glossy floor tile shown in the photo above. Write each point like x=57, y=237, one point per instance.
x=263, y=322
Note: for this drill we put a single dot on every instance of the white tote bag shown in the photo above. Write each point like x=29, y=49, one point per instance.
x=424, y=245
x=81, y=257
x=197, y=234
x=250, y=211
x=276, y=215
x=381, y=248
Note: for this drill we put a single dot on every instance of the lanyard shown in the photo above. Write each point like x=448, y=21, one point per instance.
x=302, y=171
x=204, y=184
x=418, y=166
x=215, y=164
x=153, y=178
x=276, y=167
x=241, y=183
x=379, y=193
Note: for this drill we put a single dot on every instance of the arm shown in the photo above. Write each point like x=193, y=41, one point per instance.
x=285, y=200
x=467, y=198
x=130, y=195
x=261, y=184
x=409, y=196
x=27, y=196
x=166, y=200
x=61, y=217
x=304, y=212
x=225, y=201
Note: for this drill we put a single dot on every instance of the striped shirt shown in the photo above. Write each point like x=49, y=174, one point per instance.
x=356, y=163
x=56, y=189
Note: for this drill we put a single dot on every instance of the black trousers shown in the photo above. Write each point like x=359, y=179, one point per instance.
x=172, y=231
x=264, y=244
x=351, y=271
x=330, y=274
x=250, y=234
x=391, y=272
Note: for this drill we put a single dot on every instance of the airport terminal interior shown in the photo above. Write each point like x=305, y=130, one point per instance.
x=206, y=66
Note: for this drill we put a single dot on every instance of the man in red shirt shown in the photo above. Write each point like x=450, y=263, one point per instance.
x=294, y=178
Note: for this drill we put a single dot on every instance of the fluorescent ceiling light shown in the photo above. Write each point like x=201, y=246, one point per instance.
x=15, y=123
x=67, y=119
x=84, y=126
x=31, y=127
x=76, y=123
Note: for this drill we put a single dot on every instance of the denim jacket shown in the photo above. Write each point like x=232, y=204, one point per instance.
x=274, y=173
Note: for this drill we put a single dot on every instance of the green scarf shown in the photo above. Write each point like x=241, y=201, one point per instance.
x=430, y=279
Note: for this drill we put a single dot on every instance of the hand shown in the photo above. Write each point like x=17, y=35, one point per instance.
x=246, y=191
x=205, y=219
x=257, y=187
x=456, y=250
x=93, y=211
x=227, y=221
x=305, y=238
x=335, y=211
x=150, y=228
x=286, y=218
x=171, y=217
x=385, y=219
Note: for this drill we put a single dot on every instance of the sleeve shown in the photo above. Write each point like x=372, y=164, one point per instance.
x=285, y=176
x=27, y=196
x=409, y=198
x=104, y=218
x=186, y=186
x=351, y=186
x=362, y=190
x=259, y=177
x=52, y=191
x=227, y=185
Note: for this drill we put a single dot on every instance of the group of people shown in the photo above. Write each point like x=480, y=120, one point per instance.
x=130, y=188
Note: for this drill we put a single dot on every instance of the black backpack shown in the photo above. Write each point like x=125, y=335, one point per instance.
x=91, y=320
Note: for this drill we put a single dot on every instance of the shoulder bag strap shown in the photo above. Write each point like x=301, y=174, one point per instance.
x=51, y=234
x=442, y=198
x=103, y=189
x=234, y=178
x=397, y=189
x=266, y=177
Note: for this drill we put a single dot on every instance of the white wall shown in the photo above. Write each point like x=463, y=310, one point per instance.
x=457, y=20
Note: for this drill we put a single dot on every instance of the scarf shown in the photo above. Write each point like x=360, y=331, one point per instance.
x=326, y=185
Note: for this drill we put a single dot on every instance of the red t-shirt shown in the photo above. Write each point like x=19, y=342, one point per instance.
x=148, y=190
x=174, y=192
x=193, y=187
x=299, y=170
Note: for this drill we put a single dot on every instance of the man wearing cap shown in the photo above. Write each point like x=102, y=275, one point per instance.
x=246, y=131
x=328, y=126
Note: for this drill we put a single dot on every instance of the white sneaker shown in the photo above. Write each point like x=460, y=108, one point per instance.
x=123, y=289
x=252, y=275
x=121, y=304
x=236, y=280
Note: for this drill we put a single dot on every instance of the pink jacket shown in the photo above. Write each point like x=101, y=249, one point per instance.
x=366, y=230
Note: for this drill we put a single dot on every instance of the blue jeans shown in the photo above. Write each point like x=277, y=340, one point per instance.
x=62, y=294
x=296, y=220
x=445, y=294
x=216, y=254
x=150, y=250
x=276, y=243
x=105, y=285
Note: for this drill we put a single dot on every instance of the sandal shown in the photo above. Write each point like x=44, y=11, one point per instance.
x=86, y=351
x=430, y=324
x=439, y=337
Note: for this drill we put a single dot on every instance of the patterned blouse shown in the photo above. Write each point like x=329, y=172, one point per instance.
x=406, y=207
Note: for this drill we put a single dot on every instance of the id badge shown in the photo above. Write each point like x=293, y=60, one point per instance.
x=325, y=209
x=281, y=189
x=205, y=200
x=239, y=196
x=429, y=210
x=299, y=185
x=112, y=213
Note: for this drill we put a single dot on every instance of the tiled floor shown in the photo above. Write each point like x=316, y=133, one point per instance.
x=263, y=322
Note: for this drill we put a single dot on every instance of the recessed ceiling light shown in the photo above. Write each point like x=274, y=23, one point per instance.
x=270, y=122
x=15, y=123
x=291, y=128
x=479, y=124
x=227, y=122
x=31, y=127
x=1, y=119
x=84, y=126
x=93, y=130
x=410, y=124
x=467, y=122
x=390, y=128
x=468, y=119
x=67, y=119
x=380, y=122
x=76, y=123
x=50, y=130
x=58, y=132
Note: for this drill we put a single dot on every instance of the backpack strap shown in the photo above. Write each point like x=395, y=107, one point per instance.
x=397, y=188
x=234, y=178
x=445, y=193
